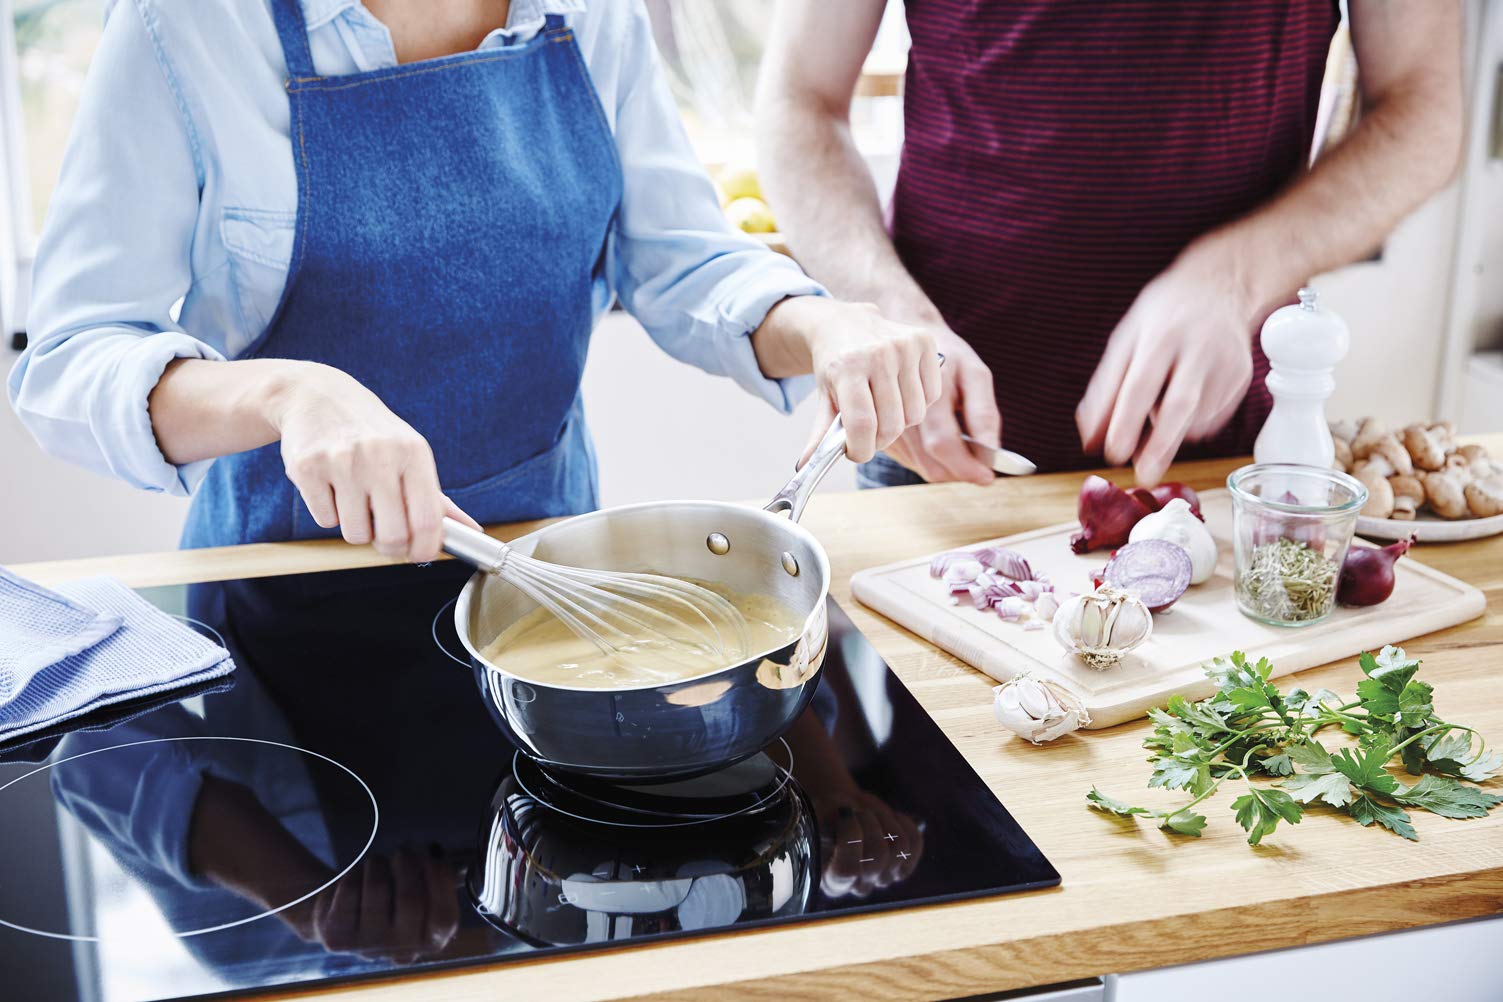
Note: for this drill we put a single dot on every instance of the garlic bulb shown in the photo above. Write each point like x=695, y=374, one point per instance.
x=1038, y=710
x=1175, y=523
x=1101, y=626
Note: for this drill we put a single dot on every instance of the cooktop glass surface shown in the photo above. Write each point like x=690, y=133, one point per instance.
x=343, y=807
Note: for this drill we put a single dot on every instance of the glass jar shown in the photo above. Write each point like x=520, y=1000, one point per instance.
x=1291, y=527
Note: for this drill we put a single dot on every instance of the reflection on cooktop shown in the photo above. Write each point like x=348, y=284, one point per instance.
x=347, y=809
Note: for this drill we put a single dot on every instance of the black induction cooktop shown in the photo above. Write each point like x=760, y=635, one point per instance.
x=344, y=808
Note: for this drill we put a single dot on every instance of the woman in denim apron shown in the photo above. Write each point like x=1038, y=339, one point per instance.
x=404, y=338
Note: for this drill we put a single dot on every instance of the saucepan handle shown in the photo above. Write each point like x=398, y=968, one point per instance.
x=474, y=547
x=795, y=493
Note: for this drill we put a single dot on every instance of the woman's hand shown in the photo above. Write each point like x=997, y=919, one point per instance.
x=359, y=466
x=1180, y=359
x=968, y=404
x=879, y=376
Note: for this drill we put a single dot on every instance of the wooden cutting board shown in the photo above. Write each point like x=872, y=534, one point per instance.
x=1201, y=625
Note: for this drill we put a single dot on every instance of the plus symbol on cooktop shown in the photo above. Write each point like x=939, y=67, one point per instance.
x=890, y=837
x=902, y=855
x=638, y=868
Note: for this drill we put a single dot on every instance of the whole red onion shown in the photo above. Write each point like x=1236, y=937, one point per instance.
x=1107, y=514
x=1367, y=573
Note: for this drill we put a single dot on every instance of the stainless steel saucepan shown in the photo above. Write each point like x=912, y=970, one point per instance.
x=687, y=727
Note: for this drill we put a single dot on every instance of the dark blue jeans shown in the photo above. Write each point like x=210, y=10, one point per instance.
x=884, y=471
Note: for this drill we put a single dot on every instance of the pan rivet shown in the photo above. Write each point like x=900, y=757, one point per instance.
x=790, y=563
x=718, y=544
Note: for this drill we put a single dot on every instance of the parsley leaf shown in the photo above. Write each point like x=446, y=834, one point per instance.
x=1184, y=822
x=1365, y=810
x=1175, y=773
x=1414, y=704
x=1445, y=796
x=1450, y=752
x=1111, y=805
x=1365, y=767
x=1277, y=765
x=1260, y=810
x=1332, y=787
x=1310, y=756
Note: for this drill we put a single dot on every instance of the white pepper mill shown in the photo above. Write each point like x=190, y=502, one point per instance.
x=1303, y=344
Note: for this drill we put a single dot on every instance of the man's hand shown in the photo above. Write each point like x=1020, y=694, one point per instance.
x=968, y=402
x=1180, y=359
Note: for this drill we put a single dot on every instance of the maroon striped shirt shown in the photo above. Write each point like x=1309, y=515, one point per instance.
x=1059, y=155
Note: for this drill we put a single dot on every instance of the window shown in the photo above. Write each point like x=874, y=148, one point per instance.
x=45, y=48
x=711, y=50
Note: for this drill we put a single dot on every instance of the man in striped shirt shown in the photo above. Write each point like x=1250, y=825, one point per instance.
x=1099, y=203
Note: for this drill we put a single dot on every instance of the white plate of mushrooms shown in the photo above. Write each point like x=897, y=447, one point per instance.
x=1420, y=482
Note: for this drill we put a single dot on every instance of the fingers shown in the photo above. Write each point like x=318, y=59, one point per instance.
x=425, y=504
x=318, y=495
x=443, y=904
x=978, y=401
x=887, y=400
x=452, y=510
x=1140, y=390
x=940, y=438
x=354, y=509
x=1095, y=408
x=1176, y=412
x=375, y=902
x=824, y=413
x=389, y=513
x=931, y=378
x=409, y=902
x=915, y=402
x=339, y=923
x=858, y=411
x=1222, y=404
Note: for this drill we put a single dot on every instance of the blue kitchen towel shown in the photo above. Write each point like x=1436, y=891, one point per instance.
x=149, y=653
x=38, y=628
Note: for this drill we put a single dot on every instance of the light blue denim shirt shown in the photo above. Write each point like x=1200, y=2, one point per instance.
x=178, y=184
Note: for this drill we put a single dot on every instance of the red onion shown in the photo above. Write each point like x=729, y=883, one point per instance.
x=1367, y=573
x=1157, y=570
x=1008, y=563
x=1107, y=514
x=1164, y=493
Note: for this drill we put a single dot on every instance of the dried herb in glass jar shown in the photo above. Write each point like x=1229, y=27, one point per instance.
x=1287, y=581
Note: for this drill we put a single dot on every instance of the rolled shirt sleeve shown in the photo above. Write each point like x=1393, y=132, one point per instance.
x=698, y=285
x=113, y=259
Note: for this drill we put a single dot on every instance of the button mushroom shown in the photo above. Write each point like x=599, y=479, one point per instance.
x=1374, y=476
x=1426, y=445
x=1446, y=494
x=1408, y=495
x=1484, y=498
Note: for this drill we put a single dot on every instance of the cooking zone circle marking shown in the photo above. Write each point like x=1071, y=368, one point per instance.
x=375, y=826
x=442, y=614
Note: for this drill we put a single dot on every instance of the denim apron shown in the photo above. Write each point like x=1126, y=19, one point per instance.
x=451, y=216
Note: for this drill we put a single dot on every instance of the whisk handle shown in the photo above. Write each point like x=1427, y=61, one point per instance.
x=474, y=547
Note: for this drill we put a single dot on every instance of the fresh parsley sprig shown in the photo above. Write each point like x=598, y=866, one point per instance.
x=1250, y=729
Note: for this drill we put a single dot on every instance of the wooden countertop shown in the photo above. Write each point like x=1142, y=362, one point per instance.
x=1132, y=898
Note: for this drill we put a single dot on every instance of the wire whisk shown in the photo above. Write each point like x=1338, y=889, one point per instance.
x=620, y=612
